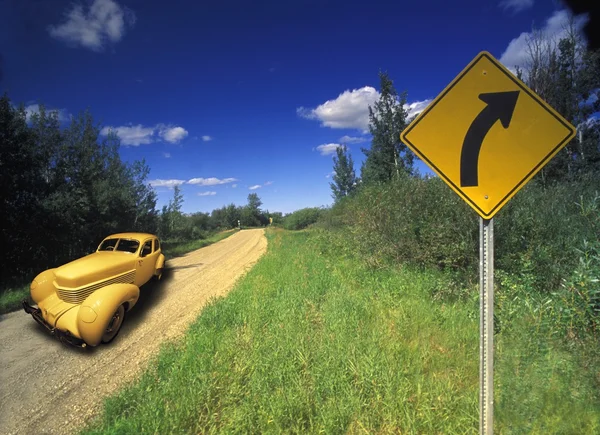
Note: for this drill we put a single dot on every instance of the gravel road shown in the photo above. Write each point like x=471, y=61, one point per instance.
x=47, y=387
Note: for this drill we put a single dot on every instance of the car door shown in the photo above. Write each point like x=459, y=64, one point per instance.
x=145, y=263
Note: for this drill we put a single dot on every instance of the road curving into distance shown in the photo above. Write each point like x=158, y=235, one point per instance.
x=47, y=387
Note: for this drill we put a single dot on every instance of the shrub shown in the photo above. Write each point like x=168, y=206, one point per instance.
x=302, y=218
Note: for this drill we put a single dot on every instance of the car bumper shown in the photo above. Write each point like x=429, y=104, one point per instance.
x=63, y=336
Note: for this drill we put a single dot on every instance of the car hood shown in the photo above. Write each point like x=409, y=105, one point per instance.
x=92, y=268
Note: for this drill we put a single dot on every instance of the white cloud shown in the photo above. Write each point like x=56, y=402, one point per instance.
x=104, y=21
x=207, y=193
x=517, y=5
x=329, y=175
x=166, y=183
x=327, y=149
x=171, y=133
x=268, y=183
x=516, y=53
x=353, y=139
x=349, y=110
x=207, y=138
x=234, y=186
x=212, y=181
x=256, y=186
x=32, y=109
x=167, y=155
x=135, y=135
x=415, y=108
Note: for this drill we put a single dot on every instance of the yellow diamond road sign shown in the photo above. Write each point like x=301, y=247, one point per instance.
x=487, y=134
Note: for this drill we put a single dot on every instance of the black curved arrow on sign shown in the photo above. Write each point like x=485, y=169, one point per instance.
x=500, y=107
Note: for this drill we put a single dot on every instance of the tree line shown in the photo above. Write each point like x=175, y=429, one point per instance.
x=563, y=73
x=65, y=189
x=547, y=238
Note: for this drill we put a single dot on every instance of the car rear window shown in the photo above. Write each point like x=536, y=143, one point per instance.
x=128, y=245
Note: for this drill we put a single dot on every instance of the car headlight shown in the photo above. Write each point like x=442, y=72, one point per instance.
x=87, y=314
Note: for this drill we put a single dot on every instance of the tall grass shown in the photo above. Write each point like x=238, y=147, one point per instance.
x=539, y=235
x=313, y=340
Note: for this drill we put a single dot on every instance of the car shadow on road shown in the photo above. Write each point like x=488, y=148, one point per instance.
x=151, y=294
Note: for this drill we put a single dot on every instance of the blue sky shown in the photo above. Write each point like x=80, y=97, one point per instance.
x=231, y=97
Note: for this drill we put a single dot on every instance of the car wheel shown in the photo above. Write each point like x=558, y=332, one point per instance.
x=114, y=325
x=158, y=274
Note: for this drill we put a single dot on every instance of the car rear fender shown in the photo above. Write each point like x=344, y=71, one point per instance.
x=160, y=262
x=98, y=308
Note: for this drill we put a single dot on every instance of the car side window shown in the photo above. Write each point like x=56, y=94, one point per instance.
x=146, y=249
x=156, y=245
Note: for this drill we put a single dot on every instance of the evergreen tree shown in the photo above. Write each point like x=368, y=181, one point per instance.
x=388, y=157
x=344, y=177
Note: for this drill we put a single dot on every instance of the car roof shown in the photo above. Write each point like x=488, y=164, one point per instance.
x=137, y=236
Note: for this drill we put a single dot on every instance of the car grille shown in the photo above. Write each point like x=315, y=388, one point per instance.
x=77, y=296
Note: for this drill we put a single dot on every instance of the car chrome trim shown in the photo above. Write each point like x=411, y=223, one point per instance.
x=78, y=295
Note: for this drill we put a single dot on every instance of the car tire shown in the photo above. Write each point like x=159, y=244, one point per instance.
x=114, y=326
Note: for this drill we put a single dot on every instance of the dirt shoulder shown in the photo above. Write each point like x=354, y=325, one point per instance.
x=47, y=387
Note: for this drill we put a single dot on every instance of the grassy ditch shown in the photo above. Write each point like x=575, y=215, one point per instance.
x=311, y=340
x=10, y=298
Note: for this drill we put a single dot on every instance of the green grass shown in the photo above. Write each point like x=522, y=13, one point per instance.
x=10, y=299
x=312, y=341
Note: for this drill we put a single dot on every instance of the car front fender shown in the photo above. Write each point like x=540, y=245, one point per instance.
x=98, y=308
x=42, y=286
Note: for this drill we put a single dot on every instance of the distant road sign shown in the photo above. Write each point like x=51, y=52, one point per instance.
x=487, y=134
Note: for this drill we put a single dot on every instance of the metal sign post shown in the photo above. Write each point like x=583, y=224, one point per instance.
x=486, y=326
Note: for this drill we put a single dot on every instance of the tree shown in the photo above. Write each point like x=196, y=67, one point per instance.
x=388, y=157
x=567, y=76
x=251, y=213
x=344, y=177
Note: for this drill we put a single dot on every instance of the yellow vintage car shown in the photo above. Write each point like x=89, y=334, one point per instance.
x=83, y=303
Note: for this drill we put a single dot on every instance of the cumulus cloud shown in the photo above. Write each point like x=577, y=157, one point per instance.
x=268, y=183
x=32, y=109
x=349, y=110
x=516, y=5
x=207, y=193
x=171, y=133
x=256, y=186
x=166, y=183
x=212, y=181
x=135, y=135
x=207, y=138
x=93, y=27
x=352, y=139
x=234, y=186
x=327, y=149
x=516, y=54
x=167, y=155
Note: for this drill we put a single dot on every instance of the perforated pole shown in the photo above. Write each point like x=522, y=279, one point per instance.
x=486, y=326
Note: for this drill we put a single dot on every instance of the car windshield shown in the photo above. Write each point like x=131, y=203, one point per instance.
x=126, y=245
x=123, y=245
x=108, y=245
